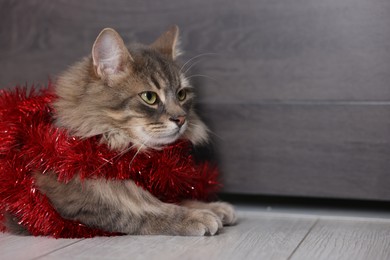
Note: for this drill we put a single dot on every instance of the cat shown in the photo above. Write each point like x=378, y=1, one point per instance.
x=139, y=96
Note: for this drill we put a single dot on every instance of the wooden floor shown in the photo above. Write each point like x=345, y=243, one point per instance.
x=263, y=232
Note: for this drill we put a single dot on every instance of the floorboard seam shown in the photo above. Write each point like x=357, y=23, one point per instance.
x=71, y=244
x=303, y=239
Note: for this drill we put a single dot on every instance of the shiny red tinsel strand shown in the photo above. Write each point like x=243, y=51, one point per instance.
x=29, y=142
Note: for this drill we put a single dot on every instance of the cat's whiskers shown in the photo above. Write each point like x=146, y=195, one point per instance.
x=137, y=152
x=194, y=58
x=111, y=160
x=192, y=65
x=208, y=130
x=130, y=127
x=202, y=75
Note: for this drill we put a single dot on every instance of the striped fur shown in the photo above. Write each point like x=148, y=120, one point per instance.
x=101, y=95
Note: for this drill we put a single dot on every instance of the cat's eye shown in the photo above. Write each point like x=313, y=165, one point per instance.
x=181, y=95
x=149, y=97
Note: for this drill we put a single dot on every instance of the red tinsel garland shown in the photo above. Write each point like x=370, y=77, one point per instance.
x=29, y=143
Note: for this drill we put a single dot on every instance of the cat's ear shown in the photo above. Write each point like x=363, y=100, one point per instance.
x=109, y=54
x=168, y=43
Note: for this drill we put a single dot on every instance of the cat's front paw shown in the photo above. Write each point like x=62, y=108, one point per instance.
x=200, y=222
x=224, y=211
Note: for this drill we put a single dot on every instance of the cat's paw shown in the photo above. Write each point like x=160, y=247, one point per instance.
x=224, y=211
x=200, y=222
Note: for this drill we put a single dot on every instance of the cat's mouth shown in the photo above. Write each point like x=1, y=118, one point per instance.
x=158, y=141
x=163, y=138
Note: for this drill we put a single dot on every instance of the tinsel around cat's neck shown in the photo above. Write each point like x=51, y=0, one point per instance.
x=30, y=143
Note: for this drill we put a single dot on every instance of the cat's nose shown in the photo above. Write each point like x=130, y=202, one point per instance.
x=179, y=120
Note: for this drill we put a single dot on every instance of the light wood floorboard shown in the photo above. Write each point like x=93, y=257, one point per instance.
x=27, y=247
x=347, y=239
x=262, y=233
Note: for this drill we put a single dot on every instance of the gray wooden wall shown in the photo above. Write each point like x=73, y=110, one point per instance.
x=297, y=91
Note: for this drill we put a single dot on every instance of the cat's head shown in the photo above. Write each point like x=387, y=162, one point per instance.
x=137, y=95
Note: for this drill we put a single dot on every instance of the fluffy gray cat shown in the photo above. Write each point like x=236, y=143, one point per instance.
x=139, y=96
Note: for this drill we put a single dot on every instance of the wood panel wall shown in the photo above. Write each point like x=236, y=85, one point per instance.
x=297, y=92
